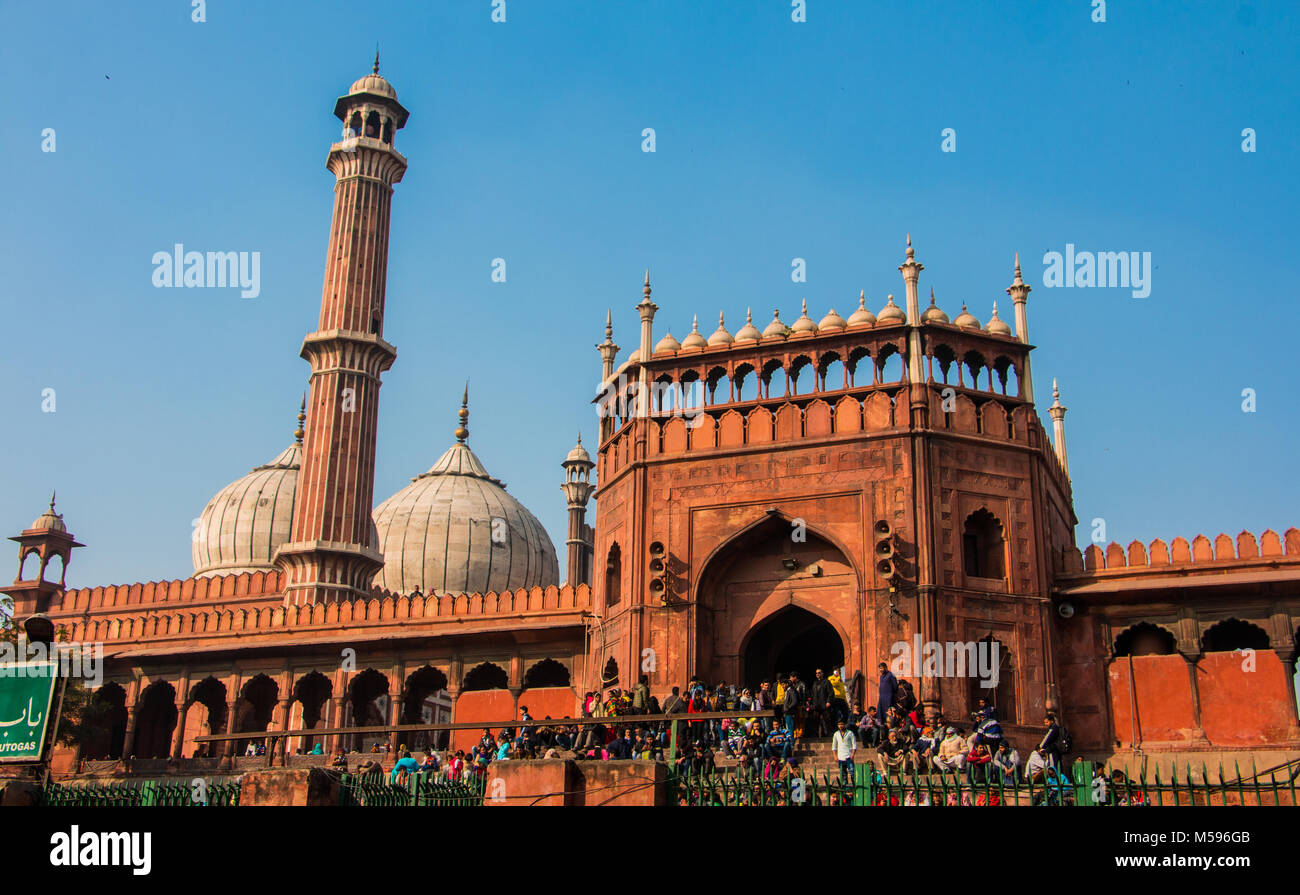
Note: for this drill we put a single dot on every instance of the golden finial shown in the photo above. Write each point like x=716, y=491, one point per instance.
x=302, y=417
x=376, y=68
x=462, y=431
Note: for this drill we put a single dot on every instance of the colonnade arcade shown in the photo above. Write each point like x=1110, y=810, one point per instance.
x=158, y=715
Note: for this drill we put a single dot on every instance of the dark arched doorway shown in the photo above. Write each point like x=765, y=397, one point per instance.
x=792, y=639
x=106, y=741
x=155, y=721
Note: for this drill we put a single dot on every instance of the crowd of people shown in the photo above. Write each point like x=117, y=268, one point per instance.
x=633, y=724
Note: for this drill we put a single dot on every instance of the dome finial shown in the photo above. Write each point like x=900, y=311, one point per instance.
x=376, y=68
x=462, y=431
x=609, y=323
x=1017, y=281
x=52, y=493
x=302, y=417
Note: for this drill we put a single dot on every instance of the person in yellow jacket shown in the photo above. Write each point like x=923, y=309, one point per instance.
x=840, y=700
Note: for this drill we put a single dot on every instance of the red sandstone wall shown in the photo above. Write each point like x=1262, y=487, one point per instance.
x=1163, y=696
x=480, y=705
x=1239, y=707
x=1081, y=681
x=554, y=702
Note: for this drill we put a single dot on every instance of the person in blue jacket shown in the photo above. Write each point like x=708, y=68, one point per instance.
x=888, y=687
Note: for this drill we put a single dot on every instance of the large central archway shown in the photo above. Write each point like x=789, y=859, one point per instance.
x=777, y=597
x=792, y=639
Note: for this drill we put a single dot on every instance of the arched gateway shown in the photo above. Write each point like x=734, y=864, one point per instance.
x=792, y=639
x=777, y=597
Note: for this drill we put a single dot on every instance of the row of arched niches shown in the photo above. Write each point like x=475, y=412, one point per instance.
x=737, y=398
x=158, y=709
x=1147, y=638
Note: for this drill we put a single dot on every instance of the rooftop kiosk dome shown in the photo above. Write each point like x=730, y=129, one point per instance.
x=454, y=529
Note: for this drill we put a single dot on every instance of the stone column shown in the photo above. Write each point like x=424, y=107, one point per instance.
x=281, y=723
x=231, y=748
x=178, y=741
x=132, y=697
x=1287, y=654
x=1189, y=646
x=182, y=709
x=397, y=698
x=338, y=695
x=335, y=719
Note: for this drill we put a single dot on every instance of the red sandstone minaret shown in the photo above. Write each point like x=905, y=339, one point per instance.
x=331, y=553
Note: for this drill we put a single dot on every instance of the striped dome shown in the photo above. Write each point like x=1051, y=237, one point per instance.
x=454, y=529
x=246, y=522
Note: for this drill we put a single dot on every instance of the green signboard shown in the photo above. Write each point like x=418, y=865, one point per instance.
x=26, y=701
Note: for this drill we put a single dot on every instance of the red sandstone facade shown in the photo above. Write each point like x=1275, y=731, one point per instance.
x=738, y=534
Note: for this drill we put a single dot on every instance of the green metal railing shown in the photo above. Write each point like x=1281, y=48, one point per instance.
x=143, y=793
x=409, y=790
x=868, y=786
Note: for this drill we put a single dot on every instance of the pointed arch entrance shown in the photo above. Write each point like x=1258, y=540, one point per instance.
x=779, y=596
x=790, y=639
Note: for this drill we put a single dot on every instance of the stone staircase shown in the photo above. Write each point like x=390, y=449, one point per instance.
x=814, y=754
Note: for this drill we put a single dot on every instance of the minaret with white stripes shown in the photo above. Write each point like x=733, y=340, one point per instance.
x=331, y=554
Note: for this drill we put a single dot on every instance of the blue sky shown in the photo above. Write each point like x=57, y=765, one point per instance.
x=775, y=140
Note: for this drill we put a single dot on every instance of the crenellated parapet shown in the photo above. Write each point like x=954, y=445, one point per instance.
x=1244, y=548
x=248, y=605
x=170, y=593
x=1239, y=568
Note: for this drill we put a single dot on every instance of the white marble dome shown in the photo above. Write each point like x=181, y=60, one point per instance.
x=246, y=522
x=455, y=530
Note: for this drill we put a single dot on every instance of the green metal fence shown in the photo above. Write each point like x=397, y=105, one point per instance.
x=1079, y=785
x=143, y=793
x=409, y=790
